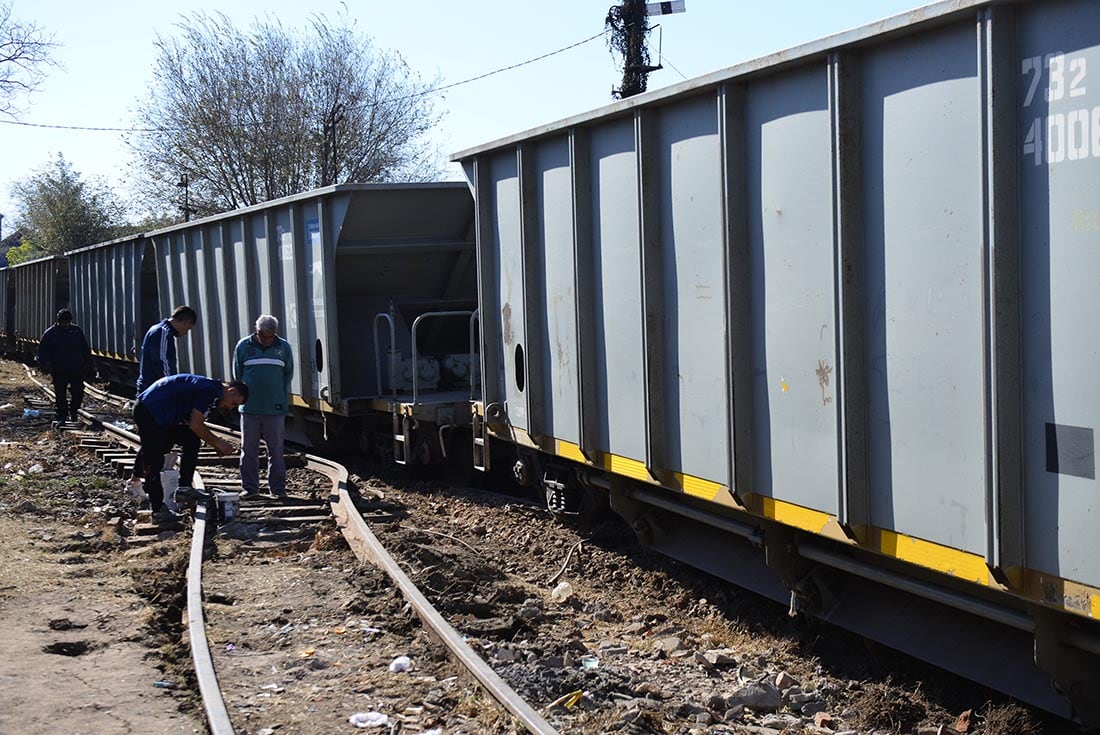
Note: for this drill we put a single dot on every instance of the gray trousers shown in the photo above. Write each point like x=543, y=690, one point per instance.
x=272, y=430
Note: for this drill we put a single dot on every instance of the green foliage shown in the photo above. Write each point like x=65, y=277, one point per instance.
x=59, y=211
x=22, y=253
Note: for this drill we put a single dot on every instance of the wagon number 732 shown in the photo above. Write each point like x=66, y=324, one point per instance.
x=1072, y=135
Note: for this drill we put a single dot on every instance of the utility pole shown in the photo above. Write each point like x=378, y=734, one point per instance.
x=330, y=167
x=628, y=23
x=185, y=184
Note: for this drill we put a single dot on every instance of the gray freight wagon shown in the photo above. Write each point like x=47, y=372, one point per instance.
x=352, y=272
x=840, y=301
x=38, y=290
x=114, y=297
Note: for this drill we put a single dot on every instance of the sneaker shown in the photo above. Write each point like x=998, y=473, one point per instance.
x=280, y=494
x=186, y=492
x=167, y=517
x=74, y=417
x=249, y=494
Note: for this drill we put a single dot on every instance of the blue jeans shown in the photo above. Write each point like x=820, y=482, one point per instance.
x=271, y=429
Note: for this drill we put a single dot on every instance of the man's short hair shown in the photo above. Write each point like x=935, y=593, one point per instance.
x=184, y=314
x=267, y=323
x=64, y=315
x=241, y=388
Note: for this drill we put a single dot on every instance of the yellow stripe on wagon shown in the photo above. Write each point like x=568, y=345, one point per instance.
x=961, y=564
x=794, y=515
x=632, y=468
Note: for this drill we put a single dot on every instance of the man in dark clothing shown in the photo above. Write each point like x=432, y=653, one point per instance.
x=63, y=352
x=172, y=411
x=158, y=347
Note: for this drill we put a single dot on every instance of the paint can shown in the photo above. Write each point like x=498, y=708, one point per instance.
x=229, y=505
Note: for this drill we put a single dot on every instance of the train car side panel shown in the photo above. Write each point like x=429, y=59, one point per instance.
x=1059, y=157
x=923, y=271
x=507, y=248
x=792, y=308
x=556, y=291
x=687, y=185
x=618, y=324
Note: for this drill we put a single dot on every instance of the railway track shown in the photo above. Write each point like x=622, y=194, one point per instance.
x=116, y=445
x=638, y=647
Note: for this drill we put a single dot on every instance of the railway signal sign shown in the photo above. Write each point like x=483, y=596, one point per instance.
x=676, y=6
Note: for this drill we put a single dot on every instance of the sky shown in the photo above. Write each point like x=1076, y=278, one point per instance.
x=107, y=53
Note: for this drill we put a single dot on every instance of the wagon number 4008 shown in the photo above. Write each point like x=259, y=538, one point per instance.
x=1073, y=135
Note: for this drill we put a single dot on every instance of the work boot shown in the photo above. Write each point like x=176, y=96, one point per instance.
x=167, y=517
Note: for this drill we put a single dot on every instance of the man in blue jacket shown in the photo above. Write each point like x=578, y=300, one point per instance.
x=158, y=347
x=264, y=362
x=173, y=411
x=63, y=352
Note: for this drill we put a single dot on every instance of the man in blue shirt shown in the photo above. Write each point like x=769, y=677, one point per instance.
x=265, y=362
x=158, y=348
x=173, y=411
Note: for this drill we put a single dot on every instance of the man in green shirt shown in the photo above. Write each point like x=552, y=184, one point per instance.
x=264, y=362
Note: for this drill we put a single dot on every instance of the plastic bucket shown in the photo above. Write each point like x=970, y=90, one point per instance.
x=228, y=506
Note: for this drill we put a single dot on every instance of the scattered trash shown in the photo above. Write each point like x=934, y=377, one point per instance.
x=6, y=406
x=9, y=465
x=164, y=684
x=590, y=662
x=433, y=731
x=307, y=653
x=401, y=663
x=134, y=488
x=266, y=731
x=339, y=630
x=568, y=700
x=369, y=719
x=272, y=687
x=562, y=592
x=35, y=468
x=230, y=646
x=31, y=413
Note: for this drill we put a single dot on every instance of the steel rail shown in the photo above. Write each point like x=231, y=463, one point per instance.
x=366, y=547
x=217, y=717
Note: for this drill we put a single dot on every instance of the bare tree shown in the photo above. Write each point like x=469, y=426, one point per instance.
x=24, y=50
x=259, y=114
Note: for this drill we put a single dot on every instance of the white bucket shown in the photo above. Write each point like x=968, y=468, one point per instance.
x=228, y=505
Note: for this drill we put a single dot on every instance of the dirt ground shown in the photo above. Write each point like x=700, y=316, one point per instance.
x=78, y=616
x=303, y=635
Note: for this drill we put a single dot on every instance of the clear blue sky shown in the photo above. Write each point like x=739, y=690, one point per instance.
x=107, y=54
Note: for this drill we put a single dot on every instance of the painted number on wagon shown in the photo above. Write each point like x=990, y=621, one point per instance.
x=1060, y=136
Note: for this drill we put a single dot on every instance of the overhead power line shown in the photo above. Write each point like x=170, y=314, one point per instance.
x=433, y=90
